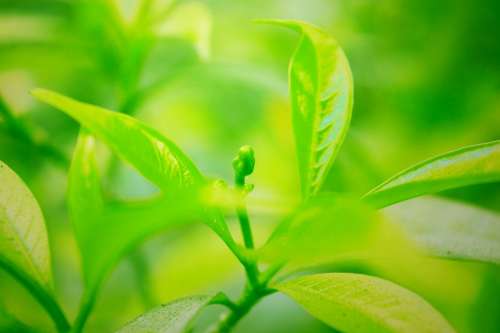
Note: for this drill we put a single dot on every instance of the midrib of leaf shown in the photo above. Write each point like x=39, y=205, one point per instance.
x=320, y=128
x=326, y=130
x=436, y=174
x=374, y=304
x=108, y=126
x=15, y=237
x=430, y=166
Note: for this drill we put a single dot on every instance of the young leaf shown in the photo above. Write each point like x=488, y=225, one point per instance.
x=174, y=317
x=450, y=229
x=466, y=166
x=23, y=237
x=155, y=157
x=321, y=90
x=360, y=303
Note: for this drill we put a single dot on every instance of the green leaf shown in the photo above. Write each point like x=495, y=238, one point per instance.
x=24, y=245
x=174, y=317
x=106, y=229
x=450, y=229
x=329, y=229
x=23, y=237
x=155, y=157
x=466, y=166
x=360, y=303
x=321, y=91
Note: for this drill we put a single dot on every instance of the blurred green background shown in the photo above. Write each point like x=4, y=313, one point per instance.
x=427, y=80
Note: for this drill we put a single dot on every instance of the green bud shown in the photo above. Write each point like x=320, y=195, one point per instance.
x=244, y=163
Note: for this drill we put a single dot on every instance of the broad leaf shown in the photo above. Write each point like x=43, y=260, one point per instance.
x=155, y=157
x=450, y=229
x=361, y=303
x=23, y=237
x=329, y=229
x=470, y=165
x=174, y=317
x=321, y=91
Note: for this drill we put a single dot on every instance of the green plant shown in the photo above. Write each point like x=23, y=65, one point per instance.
x=325, y=227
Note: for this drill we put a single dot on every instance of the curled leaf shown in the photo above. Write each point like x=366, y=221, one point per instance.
x=321, y=92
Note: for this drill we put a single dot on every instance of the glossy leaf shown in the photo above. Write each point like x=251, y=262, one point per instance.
x=23, y=237
x=466, y=166
x=155, y=157
x=450, y=229
x=174, y=317
x=360, y=303
x=321, y=91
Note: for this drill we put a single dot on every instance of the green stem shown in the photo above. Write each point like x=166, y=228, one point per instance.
x=43, y=297
x=257, y=283
x=142, y=276
x=241, y=211
x=246, y=229
x=249, y=299
x=86, y=305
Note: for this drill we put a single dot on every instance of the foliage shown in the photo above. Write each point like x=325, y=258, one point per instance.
x=336, y=254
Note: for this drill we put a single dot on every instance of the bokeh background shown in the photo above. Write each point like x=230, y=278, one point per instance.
x=427, y=80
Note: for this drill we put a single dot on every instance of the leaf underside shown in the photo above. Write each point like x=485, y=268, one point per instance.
x=466, y=166
x=174, y=317
x=449, y=229
x=365, y=304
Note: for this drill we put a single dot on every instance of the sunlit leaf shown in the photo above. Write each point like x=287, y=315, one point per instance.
x=360, y=303
x=23, y=237
x=450, y=229
x=155, y=157
x=466, y=166
x=321, y=90
x=24, y=246
x=174, y=317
